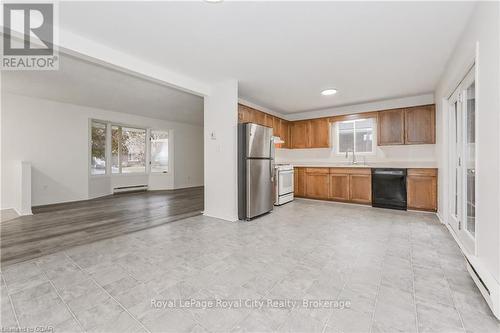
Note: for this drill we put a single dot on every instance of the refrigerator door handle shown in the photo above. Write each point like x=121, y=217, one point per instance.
x=271, y=162
x=271, y=148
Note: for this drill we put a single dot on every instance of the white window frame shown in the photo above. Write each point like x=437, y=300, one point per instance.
x=169, y=133
x=146, y=150
x=107, y=152
x=337, y=133
x=147, y=143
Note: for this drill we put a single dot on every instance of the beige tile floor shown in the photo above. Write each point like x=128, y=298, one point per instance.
x=396, y=271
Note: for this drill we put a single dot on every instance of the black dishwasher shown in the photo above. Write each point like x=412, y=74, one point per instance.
x=389, y=188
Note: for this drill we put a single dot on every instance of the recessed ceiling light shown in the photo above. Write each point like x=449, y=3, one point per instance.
x=213, y=1
x=329, y=92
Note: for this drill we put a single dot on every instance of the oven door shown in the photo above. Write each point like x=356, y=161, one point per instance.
x=285, y=182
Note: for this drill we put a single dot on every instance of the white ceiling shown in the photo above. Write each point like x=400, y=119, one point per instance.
x=285, y=53
x=83, y=83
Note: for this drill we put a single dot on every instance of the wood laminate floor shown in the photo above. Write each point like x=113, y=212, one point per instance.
x=58, y=227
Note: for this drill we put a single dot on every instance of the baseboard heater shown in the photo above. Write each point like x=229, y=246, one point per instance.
x=132, y=188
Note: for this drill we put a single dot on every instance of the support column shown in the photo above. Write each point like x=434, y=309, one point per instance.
x=220, y=140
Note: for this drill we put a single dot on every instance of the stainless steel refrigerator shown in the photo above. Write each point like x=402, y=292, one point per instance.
x=255, y=170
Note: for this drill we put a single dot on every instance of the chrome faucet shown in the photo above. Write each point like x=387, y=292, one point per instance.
x=353, y=155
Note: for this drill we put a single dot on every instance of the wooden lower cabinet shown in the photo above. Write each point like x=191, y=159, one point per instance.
x=351, y=185
x=355, y=185
x=360, y=189
x=421, y=189
x=317, y=183
x=299, y=182
x=339, y=187
x=337, y=184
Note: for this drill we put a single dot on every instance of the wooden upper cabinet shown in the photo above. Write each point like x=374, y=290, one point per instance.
x=299, y=133
x=420, y=125
x=421, y=189
x=391, y=126
x=360, y=188
x=277, y=127
x=409, y=126
x=244, y=114
x=319, y=133
x=268, y=120
x=259, y=117
x=285, y=133
x=317, y=183
x=281, y=127
x=339, y=187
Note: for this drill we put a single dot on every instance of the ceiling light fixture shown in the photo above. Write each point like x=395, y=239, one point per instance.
x=329, y=92
x=213, y=1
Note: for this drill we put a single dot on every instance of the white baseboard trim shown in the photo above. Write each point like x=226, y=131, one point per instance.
x=187, y=186
x=220, y=217
x=440, y=218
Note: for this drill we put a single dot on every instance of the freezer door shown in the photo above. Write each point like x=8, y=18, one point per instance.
x=259, y=141
x=260, y=195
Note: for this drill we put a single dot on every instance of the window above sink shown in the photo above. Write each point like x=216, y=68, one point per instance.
x=355, y=136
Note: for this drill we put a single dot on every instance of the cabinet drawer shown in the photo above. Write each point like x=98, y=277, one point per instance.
x=318, y=170
x=351, y=171
x=422, y=172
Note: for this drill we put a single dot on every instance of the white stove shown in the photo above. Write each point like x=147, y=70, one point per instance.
x=283, y=184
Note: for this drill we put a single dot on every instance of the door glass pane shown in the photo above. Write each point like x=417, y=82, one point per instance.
x=470, y=151
x=133, y=150
x=456, y=145
x=159, y=151
x=364, y=135
x=346, y=136
x=98, y=152
x=115, y=149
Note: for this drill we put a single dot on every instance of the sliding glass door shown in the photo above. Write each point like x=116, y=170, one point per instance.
x=462, y=148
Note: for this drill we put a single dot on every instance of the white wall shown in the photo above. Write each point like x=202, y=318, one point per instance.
x=54, y=137
x=221, y=178
x=386, y=104
x=481, y=39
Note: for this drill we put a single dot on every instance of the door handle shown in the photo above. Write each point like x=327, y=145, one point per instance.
x=271, y=161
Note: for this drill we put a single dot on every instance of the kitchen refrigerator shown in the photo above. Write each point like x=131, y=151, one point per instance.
x=255, y=170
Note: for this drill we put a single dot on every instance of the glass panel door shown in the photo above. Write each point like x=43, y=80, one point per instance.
x=455, y=167
x=470, y=158
x=462, y=147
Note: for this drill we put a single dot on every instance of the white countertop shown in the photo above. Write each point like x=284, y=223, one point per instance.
x=387, y=164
